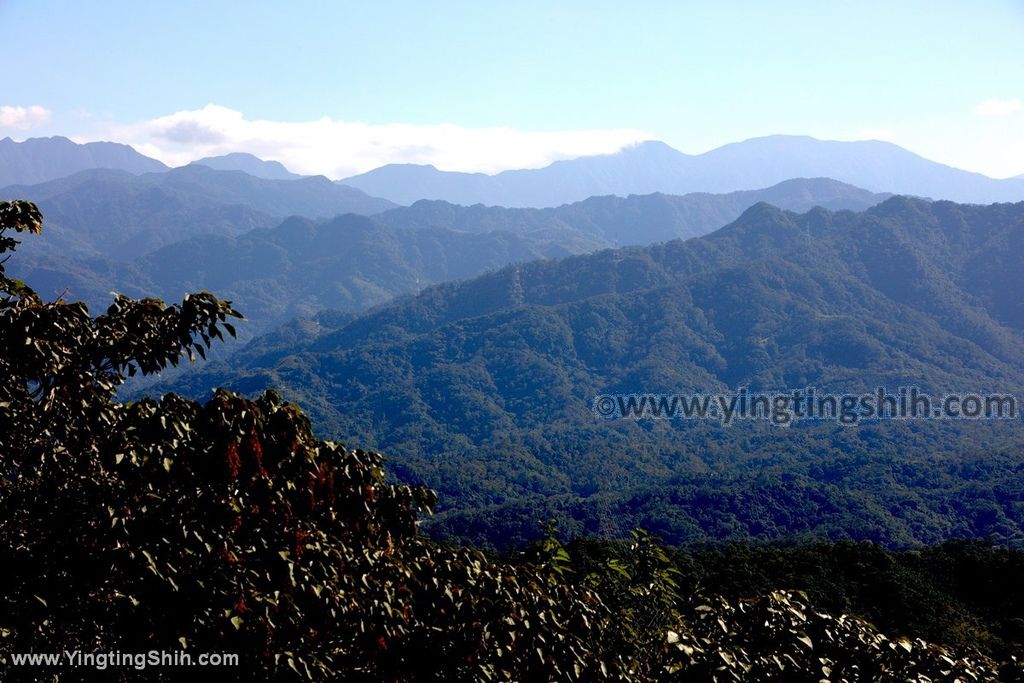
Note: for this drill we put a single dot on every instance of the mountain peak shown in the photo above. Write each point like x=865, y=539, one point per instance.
x=653, y=166
x=901, y=203
x=762, y=212
x=247, y=163
x=38, y=160
x=651, y=146
x=647, y=149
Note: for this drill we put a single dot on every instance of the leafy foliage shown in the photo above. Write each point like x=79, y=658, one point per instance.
x=962, y=593
x=228, y=526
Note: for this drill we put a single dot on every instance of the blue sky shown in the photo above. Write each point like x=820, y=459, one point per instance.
x=337, y=87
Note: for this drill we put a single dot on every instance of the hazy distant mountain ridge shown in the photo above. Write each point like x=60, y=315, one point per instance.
x=38, y=160
x=349, y=263
x=248, y=163
x=646, y=168
x=195, y=228
x=652, y=167
x=116, y=215
x=637, y=219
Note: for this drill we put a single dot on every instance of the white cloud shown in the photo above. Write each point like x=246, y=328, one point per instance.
x=992, y=108
x=989, y=144
x=23, y=118
x=338, y=148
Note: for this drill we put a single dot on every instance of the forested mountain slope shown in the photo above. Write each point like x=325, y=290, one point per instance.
x=484, y=389
x=277, y=269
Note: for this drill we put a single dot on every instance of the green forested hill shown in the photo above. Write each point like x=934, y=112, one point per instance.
x=196, y=228
x=300, y=266
x=119, y=216
x=483, y=389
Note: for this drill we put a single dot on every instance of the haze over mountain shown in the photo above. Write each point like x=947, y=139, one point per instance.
x=272, y=270
x=302, y=266
x=248, y=163
x=38, y=160
x=484, y=389
x=636, y=219
x=647, y=168
x=655, y=167
x=116, y=215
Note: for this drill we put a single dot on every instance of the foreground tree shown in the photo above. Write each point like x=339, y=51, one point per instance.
x=229, y=527
x=224, y=527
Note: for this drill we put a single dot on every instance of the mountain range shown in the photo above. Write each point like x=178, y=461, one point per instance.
x=646, y=168
x=655, y=167
x=248, y=163
x=636, y=219
x=194, y=228
x=116, y=215
x=484, y=389
x=38, y=160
